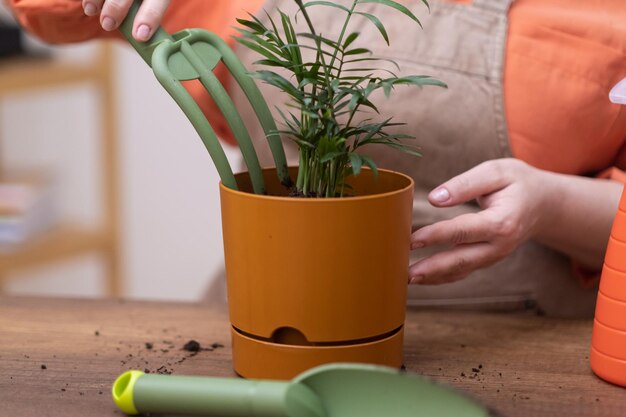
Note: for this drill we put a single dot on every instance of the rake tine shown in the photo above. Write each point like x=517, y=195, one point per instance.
x=251, y=90
x=228, y=109
x=193, y=112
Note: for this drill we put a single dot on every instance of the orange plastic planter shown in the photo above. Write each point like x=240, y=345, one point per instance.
x=608, y=342
x=312, y=281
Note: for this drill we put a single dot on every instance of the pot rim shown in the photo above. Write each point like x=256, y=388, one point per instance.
x=320, y=200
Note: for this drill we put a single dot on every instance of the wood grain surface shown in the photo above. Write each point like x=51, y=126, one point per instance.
x=59, y=357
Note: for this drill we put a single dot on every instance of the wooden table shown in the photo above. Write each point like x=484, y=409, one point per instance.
x=59, y=357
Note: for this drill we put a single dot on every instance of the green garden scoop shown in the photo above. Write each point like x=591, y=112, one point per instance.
x=193, y=54
x=336, y=390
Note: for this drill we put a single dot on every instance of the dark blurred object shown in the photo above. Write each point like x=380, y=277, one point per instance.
x=11, y=40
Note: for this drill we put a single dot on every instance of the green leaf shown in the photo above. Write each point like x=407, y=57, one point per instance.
x=330, y=156
x=395, y=5
x=303, y=143
x=387, y=86
x=326, y=3
x=349, y=39
x=252, y=25
x=419, y=80
x=355, y=162
x=279, y=81
x=256, y=48
x=275, y=35
x=404, y=148
x=273, y=63
x=270, y=44
x=391, y=61
x=370, y=163
x=320, y=38
x=357, y=51
x=379, y=25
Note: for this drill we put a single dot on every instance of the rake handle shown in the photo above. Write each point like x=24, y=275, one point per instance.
x=145, y=49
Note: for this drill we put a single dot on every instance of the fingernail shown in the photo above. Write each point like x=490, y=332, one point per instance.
x=417, y=245
x=416, y=279
x=440, y=195
x=143, y=33
x=108, y=23
x=90, y=9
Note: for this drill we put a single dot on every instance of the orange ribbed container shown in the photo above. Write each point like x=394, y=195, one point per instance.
x=608, y=342
x=313, y=281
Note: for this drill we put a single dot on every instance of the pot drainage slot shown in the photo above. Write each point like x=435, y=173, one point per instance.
x=294, y=337
x=289, y=336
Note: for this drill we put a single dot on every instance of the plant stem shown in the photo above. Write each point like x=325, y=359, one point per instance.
x=341, y=35
x=318, y=42
x=301, y=169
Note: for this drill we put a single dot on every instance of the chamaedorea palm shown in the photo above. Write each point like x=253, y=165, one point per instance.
x=327, y=92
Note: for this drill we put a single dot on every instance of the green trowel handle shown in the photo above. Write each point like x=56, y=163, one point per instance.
x=135, y=392
x=145, y=49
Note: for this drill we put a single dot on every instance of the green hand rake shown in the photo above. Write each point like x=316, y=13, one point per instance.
x=193, y=54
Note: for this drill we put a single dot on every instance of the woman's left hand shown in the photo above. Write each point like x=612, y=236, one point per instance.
x=513, y=197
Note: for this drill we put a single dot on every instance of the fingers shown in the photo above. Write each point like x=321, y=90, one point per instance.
x=92, y=7
x=113, y=12
x=149, y=18
x=466, y=228
x=484, y=226
x=454, y=264
x=483, y=179
x=508, y=217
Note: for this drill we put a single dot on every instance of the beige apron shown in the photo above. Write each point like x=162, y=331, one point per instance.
x=456, y=129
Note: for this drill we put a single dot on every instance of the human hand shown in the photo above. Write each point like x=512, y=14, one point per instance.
x=513, y=197
x=113, y=12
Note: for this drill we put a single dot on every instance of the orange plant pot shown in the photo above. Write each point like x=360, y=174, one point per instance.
x=608, y=342
x=312, y=280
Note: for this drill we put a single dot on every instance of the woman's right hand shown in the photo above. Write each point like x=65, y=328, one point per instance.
x=113, y=12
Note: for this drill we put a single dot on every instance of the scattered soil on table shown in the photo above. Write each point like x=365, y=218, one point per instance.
x=193, y=346
x=163, y=370
x=478, y=373
x=96, y=333
x=44, y=367
x=142, y=358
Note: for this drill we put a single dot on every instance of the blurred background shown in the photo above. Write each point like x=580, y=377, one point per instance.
x=105, y=188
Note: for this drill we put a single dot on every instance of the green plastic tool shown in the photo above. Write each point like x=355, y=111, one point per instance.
x=193, y=54
x=336, y=390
